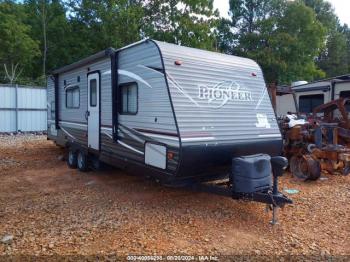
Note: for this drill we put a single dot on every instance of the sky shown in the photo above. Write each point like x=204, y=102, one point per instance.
x=342, y=9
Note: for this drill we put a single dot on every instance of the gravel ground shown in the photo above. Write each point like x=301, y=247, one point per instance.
x=50, y=209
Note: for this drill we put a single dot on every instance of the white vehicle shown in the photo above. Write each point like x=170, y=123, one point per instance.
x=310, y=95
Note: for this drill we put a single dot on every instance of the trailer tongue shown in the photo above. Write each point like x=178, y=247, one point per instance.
x=251, y=179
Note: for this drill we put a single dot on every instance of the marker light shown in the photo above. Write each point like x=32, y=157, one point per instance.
x=170, y=155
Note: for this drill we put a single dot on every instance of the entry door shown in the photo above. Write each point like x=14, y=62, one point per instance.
x=93, y=113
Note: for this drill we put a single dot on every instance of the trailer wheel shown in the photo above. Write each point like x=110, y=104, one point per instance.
x=82, y=161
x=72, y=159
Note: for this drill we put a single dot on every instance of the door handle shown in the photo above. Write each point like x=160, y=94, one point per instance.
x=87, y=114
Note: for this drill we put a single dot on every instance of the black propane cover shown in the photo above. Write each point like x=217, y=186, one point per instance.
x=251, y=173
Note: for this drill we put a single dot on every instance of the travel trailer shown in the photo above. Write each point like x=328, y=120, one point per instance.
x=179, y=114
x=302, y=97
x=310, y=95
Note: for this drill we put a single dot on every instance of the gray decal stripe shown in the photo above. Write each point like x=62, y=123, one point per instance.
x=129, y=74
x=124, y=144
x=130, y=147
x=65, y=131
x=107, y=134
x=136, y=133
x=160, y=71
x=261, y=98
x=130, y=134
x=160, y=136
x=178, y=87
x=133, y=76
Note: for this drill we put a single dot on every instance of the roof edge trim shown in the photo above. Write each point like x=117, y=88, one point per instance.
x=88, y=60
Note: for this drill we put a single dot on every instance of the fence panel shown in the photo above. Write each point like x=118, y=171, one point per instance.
x=22, y=108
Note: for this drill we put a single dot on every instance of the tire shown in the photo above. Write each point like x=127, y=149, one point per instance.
x=72, y=159
x=82, y=162
x=304, y=167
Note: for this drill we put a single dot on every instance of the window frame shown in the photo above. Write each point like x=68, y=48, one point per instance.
x=69, y=89
x=120, y=87
x=310, y=95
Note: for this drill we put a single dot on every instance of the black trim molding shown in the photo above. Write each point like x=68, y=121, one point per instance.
x=56, y=85
x=115, y=100
x=171, y=104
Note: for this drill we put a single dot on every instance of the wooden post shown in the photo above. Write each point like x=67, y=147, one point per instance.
x=273, y=93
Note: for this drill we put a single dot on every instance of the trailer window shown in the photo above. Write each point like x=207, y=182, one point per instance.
x=73, y=97
x=129, y=98
x=308, y=102
x=345, y=94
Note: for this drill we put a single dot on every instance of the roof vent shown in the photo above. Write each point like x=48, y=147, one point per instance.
x=299, y=83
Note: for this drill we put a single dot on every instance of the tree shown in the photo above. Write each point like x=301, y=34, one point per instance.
x=17, y=48
x=100, y=24
x=225, y=37
x=283, y=37
x=298, y=39
x=324, y=13
x=185, y=22
x=334, y=58
x=50, y=27
x=346, y=32
x=248, y=15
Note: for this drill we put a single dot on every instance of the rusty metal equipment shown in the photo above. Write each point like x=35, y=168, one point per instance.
x=320, y=144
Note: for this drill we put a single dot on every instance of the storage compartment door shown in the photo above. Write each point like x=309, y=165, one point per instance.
x=155, y=155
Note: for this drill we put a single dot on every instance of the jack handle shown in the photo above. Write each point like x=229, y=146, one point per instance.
x=279, y=164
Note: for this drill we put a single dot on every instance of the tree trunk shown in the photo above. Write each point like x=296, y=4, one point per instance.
x=43, y=18
x=12, y=76
x=173, y=21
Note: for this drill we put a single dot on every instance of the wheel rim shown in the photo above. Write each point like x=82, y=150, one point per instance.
x=80, y=160
x=71, y=157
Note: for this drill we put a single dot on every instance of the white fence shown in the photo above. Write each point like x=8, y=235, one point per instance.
x=22, y=108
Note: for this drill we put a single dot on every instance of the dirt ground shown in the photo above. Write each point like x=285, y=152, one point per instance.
x=51, y=209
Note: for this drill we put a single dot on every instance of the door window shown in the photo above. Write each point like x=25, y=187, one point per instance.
x=93, y=92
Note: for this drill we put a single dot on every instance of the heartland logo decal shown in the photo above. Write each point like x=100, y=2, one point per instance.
x=224, y=91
